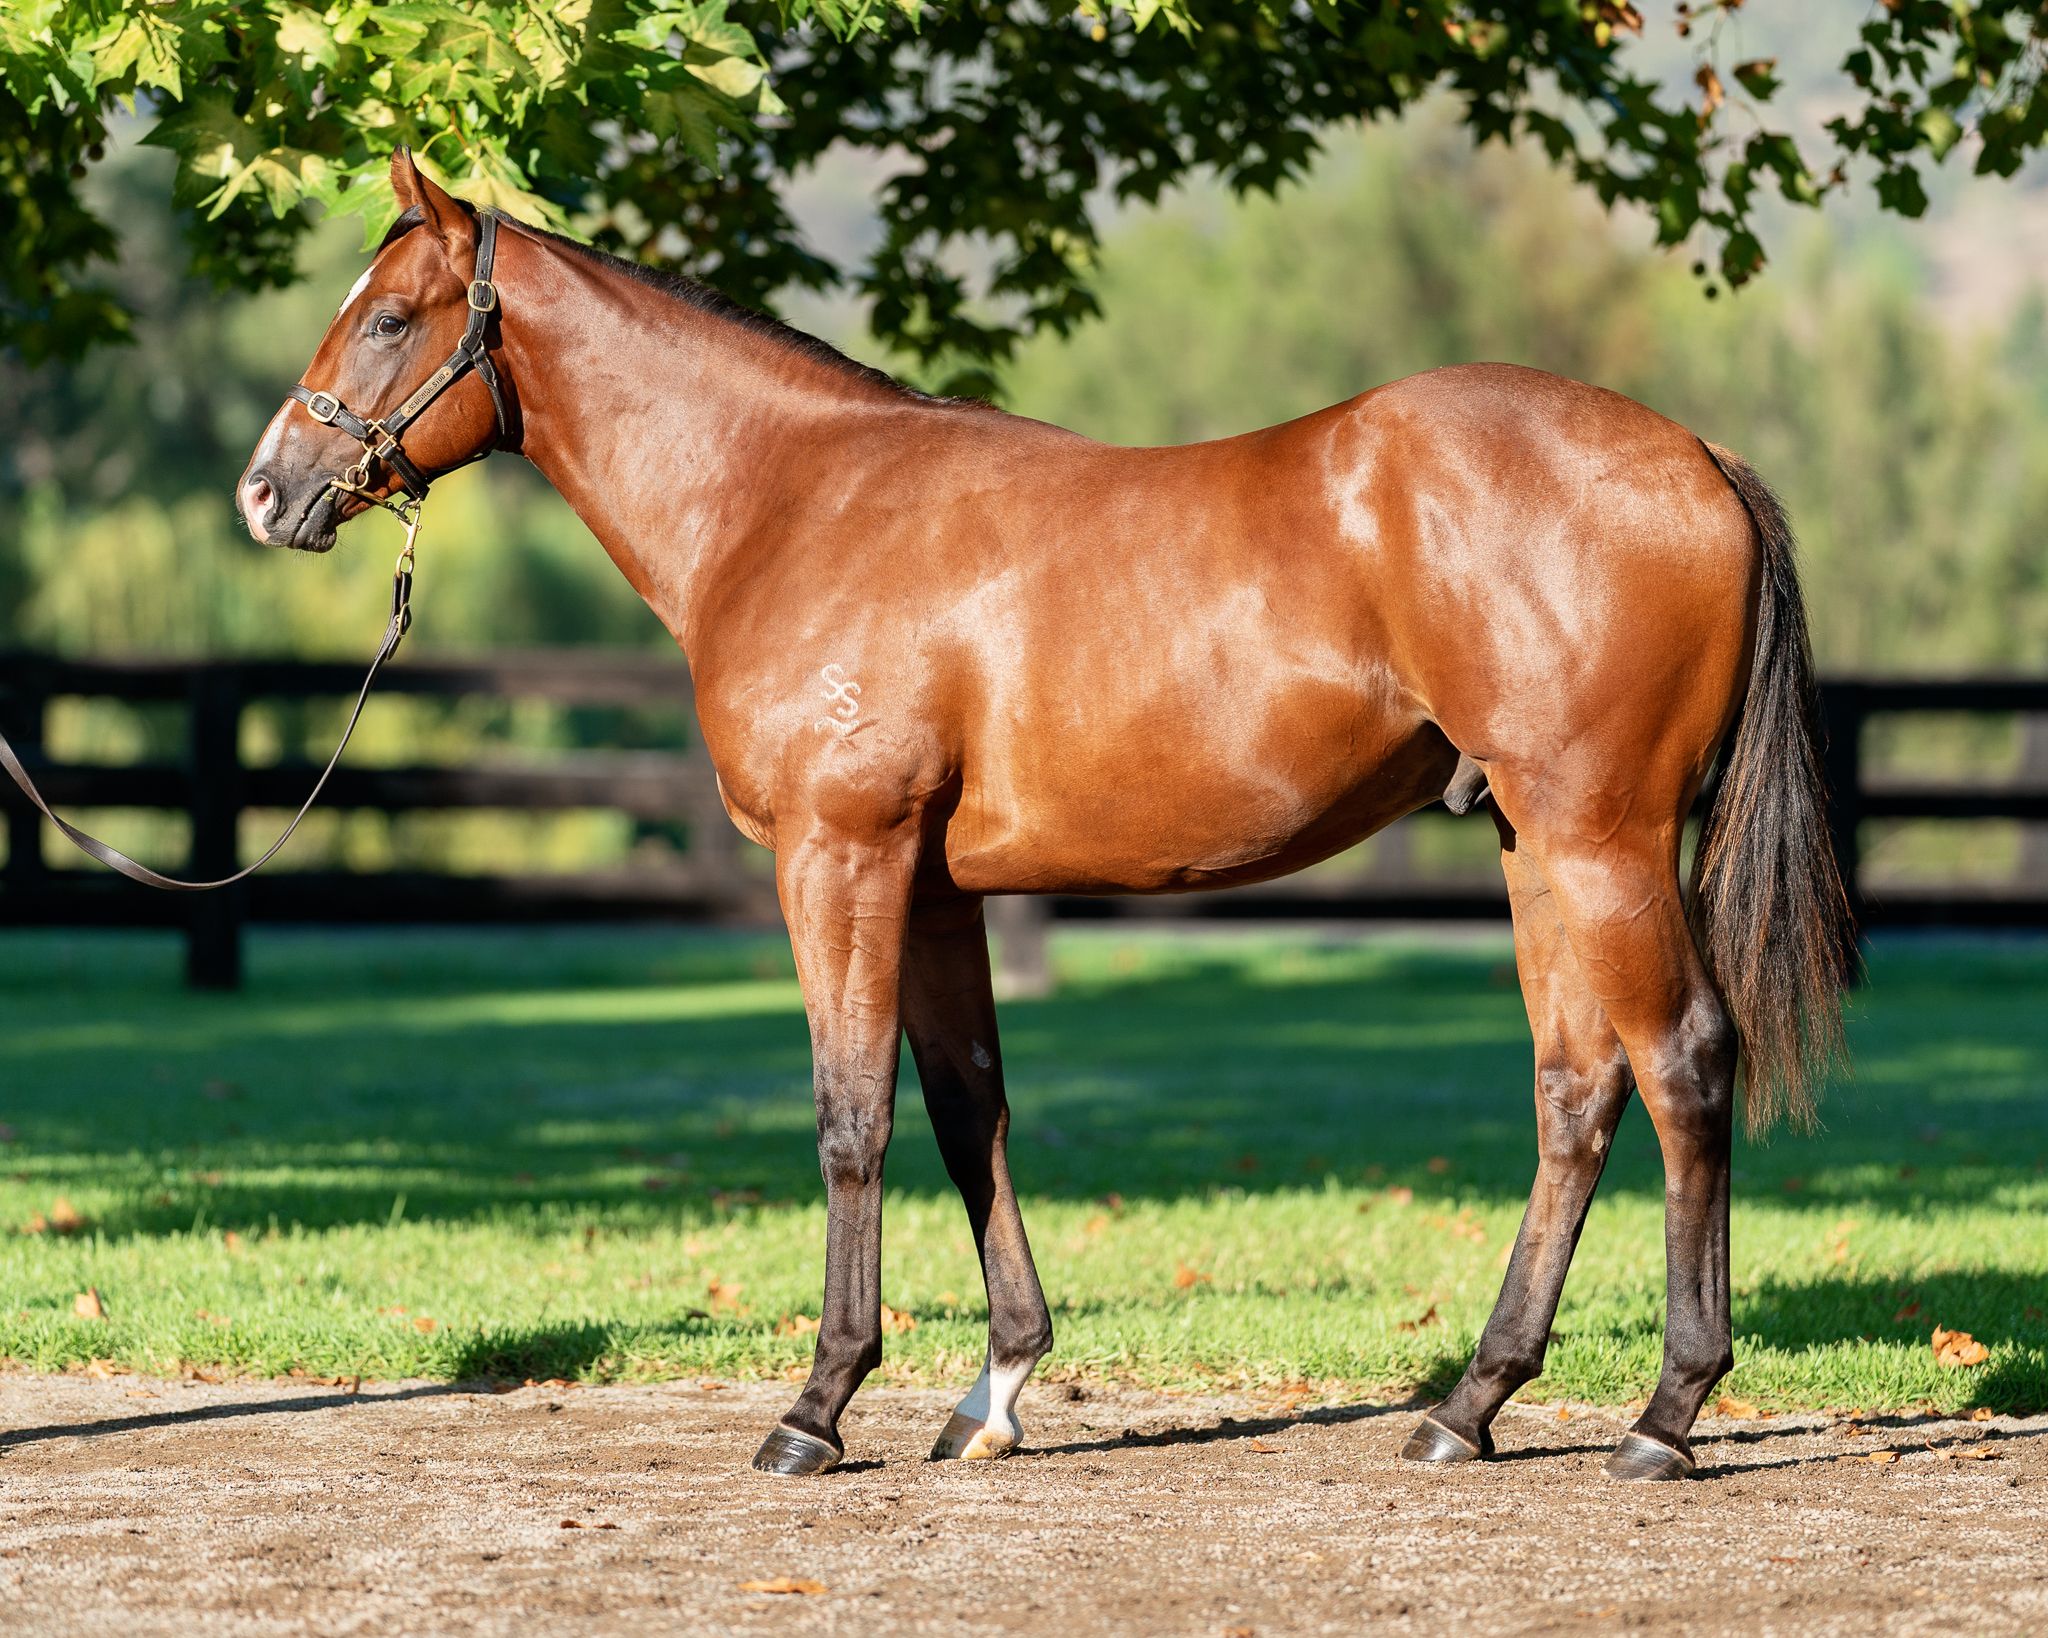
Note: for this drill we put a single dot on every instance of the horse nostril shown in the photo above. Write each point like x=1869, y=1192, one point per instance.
x=257, y=499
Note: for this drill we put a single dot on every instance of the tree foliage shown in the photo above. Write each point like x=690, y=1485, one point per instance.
x=672, y=131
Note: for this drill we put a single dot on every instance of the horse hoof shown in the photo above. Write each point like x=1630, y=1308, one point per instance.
x=1433, y=1442
x=1639, y=1457
x=967, y=1440
x=787, y=1452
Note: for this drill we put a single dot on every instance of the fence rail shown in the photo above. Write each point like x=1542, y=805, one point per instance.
x=212, y=787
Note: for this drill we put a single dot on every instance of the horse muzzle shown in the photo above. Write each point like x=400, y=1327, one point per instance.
x=302, y=516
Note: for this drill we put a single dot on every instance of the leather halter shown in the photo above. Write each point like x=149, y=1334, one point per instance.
x=380, y=437
x=380, y=441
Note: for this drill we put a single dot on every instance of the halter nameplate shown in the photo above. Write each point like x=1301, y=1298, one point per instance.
x=428, y=388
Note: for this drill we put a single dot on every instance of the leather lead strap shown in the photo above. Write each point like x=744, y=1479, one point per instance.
x=114, y=859
x=380, y=442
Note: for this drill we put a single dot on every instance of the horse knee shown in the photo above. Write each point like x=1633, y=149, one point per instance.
x=851, y=1149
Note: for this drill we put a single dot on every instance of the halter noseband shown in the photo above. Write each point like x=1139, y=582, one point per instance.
x=380, y=437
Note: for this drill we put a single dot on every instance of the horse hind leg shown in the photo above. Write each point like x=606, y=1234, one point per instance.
x=949, y=1016
x=1621, y=908
x=1582, y=1087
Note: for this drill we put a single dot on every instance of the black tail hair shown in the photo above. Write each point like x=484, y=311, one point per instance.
x=1773, y=922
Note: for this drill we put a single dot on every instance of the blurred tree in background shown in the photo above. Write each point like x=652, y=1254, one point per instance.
x=1907, y=435
x=673, y=131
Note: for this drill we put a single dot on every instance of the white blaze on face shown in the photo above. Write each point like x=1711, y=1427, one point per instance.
x=355, y=290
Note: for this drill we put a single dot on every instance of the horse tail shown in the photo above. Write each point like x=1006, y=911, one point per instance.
x=1768, y=908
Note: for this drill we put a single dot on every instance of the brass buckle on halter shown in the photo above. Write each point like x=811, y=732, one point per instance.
x=323, y=407
x=484, y=302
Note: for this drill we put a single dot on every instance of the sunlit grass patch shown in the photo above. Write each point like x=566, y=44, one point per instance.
x=1246, y=1159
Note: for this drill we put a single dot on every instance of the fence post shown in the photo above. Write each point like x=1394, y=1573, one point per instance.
x=213, y=935
x=22, y=706
x=1019, y=923
x=1842, y=718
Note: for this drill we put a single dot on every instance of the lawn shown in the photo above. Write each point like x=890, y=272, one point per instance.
x=1245, y=1159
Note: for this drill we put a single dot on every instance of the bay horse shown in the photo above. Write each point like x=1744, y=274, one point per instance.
x=941, y=652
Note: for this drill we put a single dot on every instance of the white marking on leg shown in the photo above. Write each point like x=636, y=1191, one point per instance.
x=980, y=1056
x=984, y=1424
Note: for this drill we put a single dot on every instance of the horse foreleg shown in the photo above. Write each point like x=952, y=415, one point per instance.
x=950, y=1016
x=1582, y=1087
x=847, y=901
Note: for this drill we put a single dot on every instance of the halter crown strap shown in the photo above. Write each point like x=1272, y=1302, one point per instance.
x=380, y=437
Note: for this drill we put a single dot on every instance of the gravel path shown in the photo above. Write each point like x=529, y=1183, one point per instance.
x=137, y=1506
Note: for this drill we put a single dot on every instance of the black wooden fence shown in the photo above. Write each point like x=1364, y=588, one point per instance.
x=210, y=784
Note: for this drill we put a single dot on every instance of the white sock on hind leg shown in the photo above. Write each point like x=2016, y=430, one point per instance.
x=985, y=1423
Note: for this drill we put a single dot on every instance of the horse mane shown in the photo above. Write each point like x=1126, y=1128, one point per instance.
x=696, y=294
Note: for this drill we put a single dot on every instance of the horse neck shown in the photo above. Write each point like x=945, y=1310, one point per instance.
x=671, y=430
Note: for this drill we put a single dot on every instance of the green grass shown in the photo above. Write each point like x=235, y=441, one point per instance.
x=590, y=1155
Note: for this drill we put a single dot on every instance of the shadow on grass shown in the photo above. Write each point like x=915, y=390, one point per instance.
x=2004, y=1310
x=572, y=1077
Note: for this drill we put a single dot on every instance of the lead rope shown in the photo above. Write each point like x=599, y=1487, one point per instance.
x=408, y=513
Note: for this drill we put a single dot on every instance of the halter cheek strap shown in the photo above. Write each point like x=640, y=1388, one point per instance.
x=380, y=437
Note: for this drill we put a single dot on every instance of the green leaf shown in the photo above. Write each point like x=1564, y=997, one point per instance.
x=1938, y=128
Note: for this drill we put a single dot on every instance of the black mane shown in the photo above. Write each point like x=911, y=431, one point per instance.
x=693, y=293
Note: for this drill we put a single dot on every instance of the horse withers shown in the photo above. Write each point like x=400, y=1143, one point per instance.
x=942, y=652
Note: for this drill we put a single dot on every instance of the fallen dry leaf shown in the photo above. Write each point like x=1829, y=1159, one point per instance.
x=1954, y=1349
x=784, y=1584
x=1876, y=1458
x=232, y=1241
x=1400, y=1195
x=1260, y=1447
x=1186, y=1277
x=1729, y=1405
x=87, y=1304
x=1980, y=1452
x=795, y=1325
x=425, y=1324
x=1427, y=1317
x=894, y=1320
x=1438, y=1165
x=63, y=1218
x=572, y=1524
x=723, y=1295
x=1981, y=1414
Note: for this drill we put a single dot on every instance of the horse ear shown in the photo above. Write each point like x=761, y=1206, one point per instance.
x=440, y=213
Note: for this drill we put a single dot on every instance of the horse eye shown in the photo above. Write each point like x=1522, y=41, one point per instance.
x=387, y=324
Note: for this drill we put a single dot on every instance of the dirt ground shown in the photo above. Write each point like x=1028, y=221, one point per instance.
x=138, y=1506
